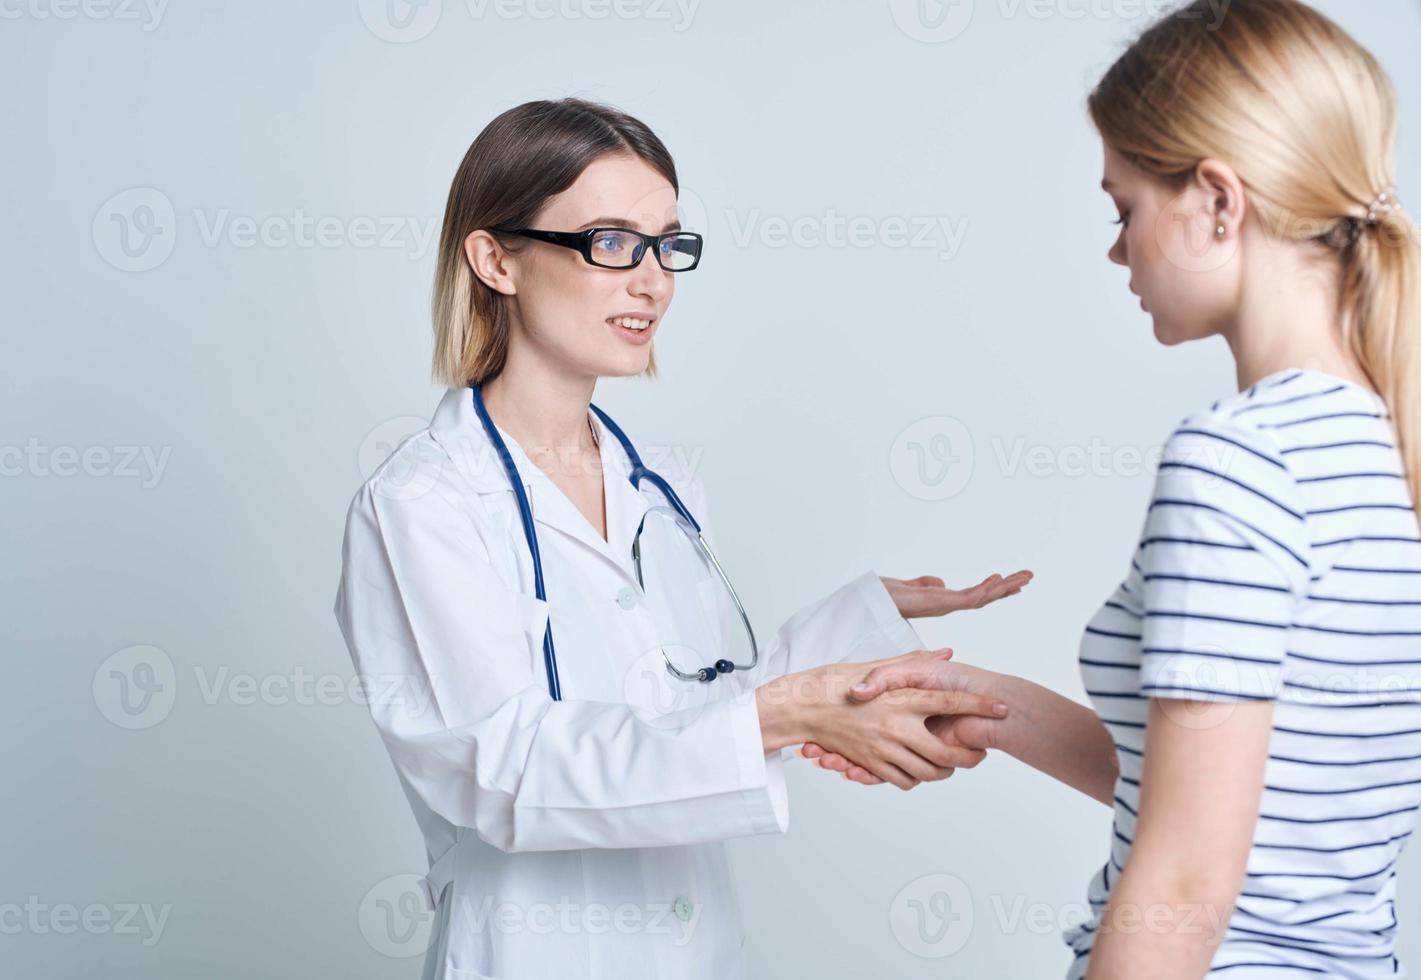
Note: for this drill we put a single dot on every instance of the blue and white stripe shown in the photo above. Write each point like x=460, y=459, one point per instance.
x=1281, y=560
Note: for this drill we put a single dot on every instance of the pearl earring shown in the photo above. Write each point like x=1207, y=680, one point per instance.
x=1221, y=231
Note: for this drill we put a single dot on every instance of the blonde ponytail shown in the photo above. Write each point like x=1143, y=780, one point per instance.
x=1381, y=309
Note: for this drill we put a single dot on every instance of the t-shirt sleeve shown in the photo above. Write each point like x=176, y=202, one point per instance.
x=1224, y=559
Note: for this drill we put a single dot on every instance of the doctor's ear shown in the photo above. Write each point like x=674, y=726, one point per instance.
x=490, y=261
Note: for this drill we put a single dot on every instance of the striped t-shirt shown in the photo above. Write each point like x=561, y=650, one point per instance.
x=1281, y=560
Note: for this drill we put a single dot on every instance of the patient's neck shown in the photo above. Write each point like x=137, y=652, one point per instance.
x=1288, y=314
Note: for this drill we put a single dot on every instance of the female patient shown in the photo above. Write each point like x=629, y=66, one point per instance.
x=1257, y=676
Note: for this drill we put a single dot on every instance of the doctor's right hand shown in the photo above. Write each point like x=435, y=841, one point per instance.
x=965, y=729
x=887, y=735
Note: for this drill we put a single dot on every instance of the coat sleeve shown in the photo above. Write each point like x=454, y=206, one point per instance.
x=451, y=660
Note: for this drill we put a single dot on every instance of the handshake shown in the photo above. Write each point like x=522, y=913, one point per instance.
x=907, y=720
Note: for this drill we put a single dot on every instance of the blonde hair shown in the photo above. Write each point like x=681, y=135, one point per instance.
x=520, y=159
x=1308, y=120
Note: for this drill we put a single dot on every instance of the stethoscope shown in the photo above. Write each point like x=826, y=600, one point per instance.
x=639, y=472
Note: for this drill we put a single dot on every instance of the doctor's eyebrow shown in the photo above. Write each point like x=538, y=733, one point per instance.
x=606, y=222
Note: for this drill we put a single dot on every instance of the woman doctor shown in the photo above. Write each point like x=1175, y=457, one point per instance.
x=573, y=772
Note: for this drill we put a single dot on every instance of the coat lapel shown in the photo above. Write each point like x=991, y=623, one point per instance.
x=626, y=506
x=457, y=428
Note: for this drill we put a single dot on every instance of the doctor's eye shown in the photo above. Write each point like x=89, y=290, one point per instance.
x=680, y=251
x=613, y=244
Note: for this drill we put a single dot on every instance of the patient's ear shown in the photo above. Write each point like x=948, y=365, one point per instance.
x=494, y=265
x=1224, y=189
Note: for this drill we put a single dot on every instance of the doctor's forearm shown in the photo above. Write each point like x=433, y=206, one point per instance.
x=1061, y=738
x=784, y=721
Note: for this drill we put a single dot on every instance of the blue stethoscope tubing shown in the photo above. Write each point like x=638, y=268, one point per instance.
x=639, y=472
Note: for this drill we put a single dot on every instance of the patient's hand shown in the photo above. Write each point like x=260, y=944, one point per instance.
x=961, y=731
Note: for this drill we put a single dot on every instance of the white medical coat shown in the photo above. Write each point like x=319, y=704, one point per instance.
x=584, y=837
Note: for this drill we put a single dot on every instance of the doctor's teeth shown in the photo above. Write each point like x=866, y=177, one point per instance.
x=630, y=323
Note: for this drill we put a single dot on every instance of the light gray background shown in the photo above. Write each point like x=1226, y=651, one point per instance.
x=262, y=370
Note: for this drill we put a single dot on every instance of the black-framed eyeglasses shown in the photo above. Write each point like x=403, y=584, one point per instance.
x=623, y=248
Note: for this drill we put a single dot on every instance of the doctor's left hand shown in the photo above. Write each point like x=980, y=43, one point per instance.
x=928, y=595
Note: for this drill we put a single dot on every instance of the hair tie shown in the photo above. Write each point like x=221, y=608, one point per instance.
x=1386, y=203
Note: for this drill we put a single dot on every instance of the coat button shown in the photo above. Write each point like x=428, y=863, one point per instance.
x=682, y=907
x=626, y=598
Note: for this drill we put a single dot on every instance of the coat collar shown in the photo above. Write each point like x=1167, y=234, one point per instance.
x=457, y=429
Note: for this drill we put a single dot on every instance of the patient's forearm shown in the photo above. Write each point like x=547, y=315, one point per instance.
x=1054, y=734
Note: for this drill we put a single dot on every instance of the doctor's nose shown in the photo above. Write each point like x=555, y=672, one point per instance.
x=648, y=279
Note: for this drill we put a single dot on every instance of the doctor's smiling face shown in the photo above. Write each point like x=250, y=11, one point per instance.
x=578, y=318
x=1181, y=267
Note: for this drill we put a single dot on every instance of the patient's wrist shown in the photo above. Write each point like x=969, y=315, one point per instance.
x=1015, y=728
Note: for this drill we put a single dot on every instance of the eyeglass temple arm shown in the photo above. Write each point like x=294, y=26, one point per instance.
x=567, y=239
